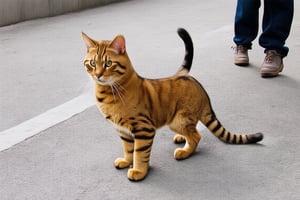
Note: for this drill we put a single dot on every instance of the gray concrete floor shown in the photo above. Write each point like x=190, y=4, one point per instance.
x=41, y=68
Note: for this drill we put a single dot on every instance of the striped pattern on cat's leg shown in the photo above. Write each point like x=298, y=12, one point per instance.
x=128, y=145
x=143, y=139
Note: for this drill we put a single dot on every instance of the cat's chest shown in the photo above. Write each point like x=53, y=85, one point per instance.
x=121, y=123
x=122, y=129
x=119, y=118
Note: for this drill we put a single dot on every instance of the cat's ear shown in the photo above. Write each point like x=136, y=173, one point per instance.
x=89, y=42
x=118, y=44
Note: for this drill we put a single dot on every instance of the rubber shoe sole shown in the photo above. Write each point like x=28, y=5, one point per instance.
x=241, y=63
x=269, y=74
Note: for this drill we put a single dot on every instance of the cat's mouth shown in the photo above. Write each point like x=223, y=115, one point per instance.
x=102, y=81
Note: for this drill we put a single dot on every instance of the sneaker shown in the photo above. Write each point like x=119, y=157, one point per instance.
x=241, y=55
x=272, y=64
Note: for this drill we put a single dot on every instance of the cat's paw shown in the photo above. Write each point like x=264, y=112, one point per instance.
x=178, y=139
x=136, y=175
x=181, y=154
x=121, y=163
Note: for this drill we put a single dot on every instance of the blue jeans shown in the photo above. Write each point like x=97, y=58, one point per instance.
x=276, y=25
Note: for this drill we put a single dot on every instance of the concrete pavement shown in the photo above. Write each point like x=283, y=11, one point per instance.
x=41, y=68
x=14, y=11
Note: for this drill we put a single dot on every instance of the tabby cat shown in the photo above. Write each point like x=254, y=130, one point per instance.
x=137, y=106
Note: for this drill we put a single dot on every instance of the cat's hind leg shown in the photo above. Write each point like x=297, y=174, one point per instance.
x=178, y=139
x=192, y=138
x=185, y=132
x=128, y=146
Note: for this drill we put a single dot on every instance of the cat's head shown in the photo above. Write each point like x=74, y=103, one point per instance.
x=107, y=61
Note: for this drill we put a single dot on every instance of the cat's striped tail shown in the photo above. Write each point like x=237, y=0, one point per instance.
x=220, y=132
x=189, y=49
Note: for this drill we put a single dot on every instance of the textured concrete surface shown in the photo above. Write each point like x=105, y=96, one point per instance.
x=13, y=11
x=41, y=68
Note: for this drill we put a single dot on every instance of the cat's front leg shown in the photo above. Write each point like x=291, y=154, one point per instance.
x=128, y=146
x=142, y=149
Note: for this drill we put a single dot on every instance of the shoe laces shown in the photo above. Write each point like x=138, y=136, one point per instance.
x=270, y=56
x=239, y=48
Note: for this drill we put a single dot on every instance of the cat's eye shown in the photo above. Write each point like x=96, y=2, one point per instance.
x=108, y=63
x=93, y=63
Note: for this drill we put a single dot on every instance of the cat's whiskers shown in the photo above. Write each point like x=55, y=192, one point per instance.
x=113, y=91
x=118, y=88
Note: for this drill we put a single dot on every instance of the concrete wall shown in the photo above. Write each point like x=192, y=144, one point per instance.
x=13, y=11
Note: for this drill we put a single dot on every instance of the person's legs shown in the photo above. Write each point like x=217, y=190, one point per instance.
x=277, y=20
x=246, y=22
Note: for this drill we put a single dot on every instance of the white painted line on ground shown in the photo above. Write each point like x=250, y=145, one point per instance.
x=33, y=126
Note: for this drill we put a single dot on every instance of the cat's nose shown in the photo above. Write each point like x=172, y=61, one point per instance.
x=99, y=73
x=100, y=80
x=98, y=76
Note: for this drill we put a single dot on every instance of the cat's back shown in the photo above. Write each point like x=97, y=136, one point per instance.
x=173, y=89
x=175, y=83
